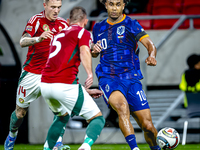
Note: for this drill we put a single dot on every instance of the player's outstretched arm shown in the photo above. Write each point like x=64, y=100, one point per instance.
x=151, y=60
x=86, y=60
x=27, y=40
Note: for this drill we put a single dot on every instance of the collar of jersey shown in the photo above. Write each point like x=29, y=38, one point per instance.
x=118, y=21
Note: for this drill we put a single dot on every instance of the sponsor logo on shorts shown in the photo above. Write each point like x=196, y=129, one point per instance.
x=107, y=88
x=21, y=100
x=144, y=103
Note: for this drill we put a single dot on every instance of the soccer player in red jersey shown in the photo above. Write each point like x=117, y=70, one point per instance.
x=37, y=36
x=60, y=86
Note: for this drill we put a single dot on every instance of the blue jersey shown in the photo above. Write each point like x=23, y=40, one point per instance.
x=119, y=57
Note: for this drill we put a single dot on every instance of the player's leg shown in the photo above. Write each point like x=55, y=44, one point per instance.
x=93, y=131
x=16, y=120
x=120, y=105
x=93, y=115
x=144, y=120
x=59, y=144
x=114, y=95
x=139, y=109
x=55, y=131
x=28, y=90
x=61, y=99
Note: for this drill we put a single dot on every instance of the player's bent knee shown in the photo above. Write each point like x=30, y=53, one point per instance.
x=95, y=127
x=97, y=115
x=99, y=121
x=20, y=113
x=63, y=119
x=121, y=108
x=123, y=111
x=148, y=127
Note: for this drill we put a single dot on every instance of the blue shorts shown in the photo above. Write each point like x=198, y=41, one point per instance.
x=131, y=89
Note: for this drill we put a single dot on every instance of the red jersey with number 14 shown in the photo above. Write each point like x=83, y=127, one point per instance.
x=64, y=58
x=38, y=53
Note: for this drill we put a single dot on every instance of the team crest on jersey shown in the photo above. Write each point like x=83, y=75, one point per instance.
x=29, y=28
x=120, y=31
x=60, y=28
x=21, y=100
x=45, y=27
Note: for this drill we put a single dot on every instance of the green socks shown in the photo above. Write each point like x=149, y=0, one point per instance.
x=94, y=129
x=92, y=132
x=55, y=130
x=15, y=122
x=62, y=132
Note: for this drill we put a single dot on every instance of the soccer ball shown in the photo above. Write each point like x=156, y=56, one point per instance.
x=168, y=138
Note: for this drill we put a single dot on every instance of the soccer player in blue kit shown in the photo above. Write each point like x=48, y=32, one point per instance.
x=116, y=40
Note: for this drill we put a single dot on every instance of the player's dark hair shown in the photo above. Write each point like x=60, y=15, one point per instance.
x=77, y=14
x=125, y=1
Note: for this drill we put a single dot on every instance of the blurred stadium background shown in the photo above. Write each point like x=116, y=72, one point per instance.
x=171, y=26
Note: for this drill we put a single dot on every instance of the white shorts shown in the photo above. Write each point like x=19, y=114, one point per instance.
x=69, y=98
x=28, y=88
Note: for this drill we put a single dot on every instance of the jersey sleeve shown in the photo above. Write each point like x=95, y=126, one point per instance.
x=32, y=26
x=94, y=33
x=138, y=31
x=85, y=38
x=63, y=23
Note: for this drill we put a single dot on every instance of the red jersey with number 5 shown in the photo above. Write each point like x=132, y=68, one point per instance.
x=38, y=53
x=64, y=58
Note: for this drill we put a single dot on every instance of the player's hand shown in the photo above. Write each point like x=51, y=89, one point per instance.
x=95, y=93
x=89, y=81
x=46, y=35
x=97, y=48
x=151, y=61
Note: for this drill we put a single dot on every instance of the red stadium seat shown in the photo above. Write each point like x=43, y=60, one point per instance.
x=163, y=23
x=178, y=4
x=175, y=4
x=192, y=7
x=146, y=24
x=149, y=7
x=165, y=7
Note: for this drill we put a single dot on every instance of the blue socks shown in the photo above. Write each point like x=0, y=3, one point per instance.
x=131, y=140
x=155, y=147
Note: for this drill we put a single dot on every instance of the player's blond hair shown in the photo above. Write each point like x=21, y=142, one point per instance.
x=77, y=14
x=46, y=1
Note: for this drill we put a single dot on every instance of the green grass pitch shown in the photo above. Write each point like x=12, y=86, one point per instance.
x=104, y=147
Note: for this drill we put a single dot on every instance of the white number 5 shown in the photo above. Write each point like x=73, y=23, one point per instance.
x=57, y=44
